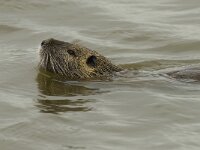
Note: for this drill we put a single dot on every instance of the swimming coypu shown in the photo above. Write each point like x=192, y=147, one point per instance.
x=74, y=62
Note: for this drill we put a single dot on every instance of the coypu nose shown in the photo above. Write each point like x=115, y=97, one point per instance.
x=45, y=42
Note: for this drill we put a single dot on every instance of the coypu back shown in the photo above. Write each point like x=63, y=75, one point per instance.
x=187, y=74
x=74, y=62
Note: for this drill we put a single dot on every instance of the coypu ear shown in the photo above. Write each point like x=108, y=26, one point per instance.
x=91, y=61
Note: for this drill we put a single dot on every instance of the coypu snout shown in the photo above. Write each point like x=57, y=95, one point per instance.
x=43, y=43
x=46, y=42
x=74, y=61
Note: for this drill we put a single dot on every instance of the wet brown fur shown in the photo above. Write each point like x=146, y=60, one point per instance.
x=73, y=61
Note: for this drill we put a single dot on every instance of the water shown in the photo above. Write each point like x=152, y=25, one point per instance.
x=140, y=110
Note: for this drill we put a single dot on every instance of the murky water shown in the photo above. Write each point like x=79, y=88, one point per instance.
x=140, y=110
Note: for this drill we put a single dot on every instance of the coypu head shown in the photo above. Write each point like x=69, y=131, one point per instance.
x=73, y=61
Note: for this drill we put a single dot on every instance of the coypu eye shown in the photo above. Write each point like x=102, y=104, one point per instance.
x=91, y=61
x=71, y=52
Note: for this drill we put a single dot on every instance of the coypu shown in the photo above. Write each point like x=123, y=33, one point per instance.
x=186, y=74
x=74, y=62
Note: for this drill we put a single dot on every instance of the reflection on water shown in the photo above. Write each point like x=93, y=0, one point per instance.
x=53, y=95
x=51, y=87
x=64, y=105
